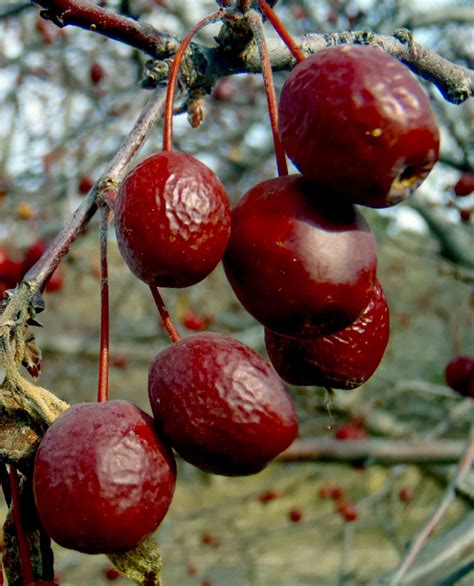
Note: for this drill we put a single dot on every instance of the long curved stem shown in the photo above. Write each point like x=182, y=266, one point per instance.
x=103, y=380
x=256, y=24
x=173, y=77
x=281, y=31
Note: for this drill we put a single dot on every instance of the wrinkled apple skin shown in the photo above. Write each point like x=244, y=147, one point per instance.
x=103, y=480
x=221, y=405
x=172, y=220
x=343, y=360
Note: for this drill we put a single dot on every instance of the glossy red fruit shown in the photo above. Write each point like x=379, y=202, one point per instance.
x=220, y=404
x=464, y=185
x=103, y=480
x=343, y=360
x=357, y=120
x=301, y=266
x=459, y=375
x=172, y=220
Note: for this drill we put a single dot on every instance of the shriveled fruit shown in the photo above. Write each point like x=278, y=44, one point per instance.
x=357, y=120
x=300, y=265
x=220, y=404
x=172, y=220
x=459, y=375
x=343, y=360
x=103, y=480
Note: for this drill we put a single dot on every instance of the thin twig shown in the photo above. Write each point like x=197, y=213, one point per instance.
x=418, y=543
x=256, y=25
x=87, y=15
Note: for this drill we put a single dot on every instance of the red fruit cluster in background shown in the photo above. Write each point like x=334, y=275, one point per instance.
x=459, y=375
x=334, y=493
x=32, y=255
x=10, y=272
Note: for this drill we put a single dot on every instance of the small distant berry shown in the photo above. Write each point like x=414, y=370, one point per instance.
x=464, y=185
x=196, y=323
x=210, y=539
x=112, y=574
x=405, y=494
x=268, y=496
x=348, y=511
x=351, y=431
x=85, y=184
x=191, y=570
x=119, y=361
x=295, y=515
x=96, y=73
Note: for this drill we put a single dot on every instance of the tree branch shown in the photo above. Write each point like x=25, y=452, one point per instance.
x=377, y=451
x=87, y=15
x=418, y=543
x=456, y=83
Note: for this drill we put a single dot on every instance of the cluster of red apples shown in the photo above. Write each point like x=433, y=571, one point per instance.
x=301, y=259
x=12, y=270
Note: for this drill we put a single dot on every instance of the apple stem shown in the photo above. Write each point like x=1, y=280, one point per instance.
x=164, y=314
x=256, y=24
x=103, y=379
x=173, y=77
x=23, y=547
x=280, y=29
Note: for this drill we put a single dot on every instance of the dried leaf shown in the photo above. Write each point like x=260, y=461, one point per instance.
x=19, y=436
x=32, y=357
x=142, y=564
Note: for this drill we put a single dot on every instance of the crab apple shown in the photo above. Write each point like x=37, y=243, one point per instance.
x=172, y=220
x=343, y=360
x=459, y=375
x=357, y=120
x=301, y=265
x=221, y=405
x=103, y=480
